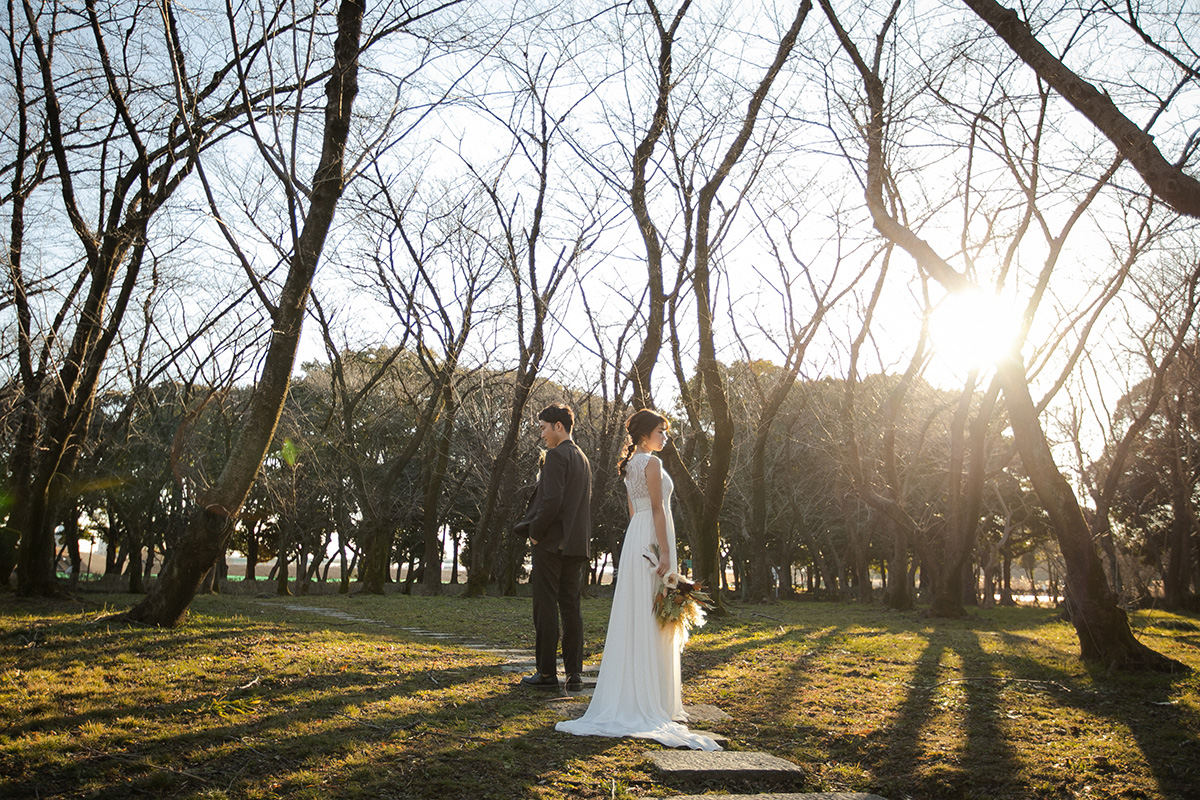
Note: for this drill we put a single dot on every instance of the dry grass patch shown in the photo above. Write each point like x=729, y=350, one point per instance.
x=263, y=697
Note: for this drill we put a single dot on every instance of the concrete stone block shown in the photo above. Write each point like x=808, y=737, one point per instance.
x=706, y=714
x=737, y=765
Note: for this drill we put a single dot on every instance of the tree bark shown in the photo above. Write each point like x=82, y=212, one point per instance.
x=642, y=369
x=1101, y=625
x=433, y=491
x=207, y=532
x=1168, y=181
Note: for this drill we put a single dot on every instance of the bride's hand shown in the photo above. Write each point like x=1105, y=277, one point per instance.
x=663, y=568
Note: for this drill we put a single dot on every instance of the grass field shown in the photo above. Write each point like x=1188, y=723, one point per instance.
x=256, y=697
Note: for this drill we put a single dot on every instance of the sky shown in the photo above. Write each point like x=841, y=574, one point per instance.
x=805, y=204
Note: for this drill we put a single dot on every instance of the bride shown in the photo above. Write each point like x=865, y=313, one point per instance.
x=637, y=691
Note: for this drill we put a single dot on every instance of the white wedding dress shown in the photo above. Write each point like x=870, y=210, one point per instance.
x=637, y=691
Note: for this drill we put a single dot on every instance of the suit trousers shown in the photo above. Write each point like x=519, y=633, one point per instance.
x=556, y=581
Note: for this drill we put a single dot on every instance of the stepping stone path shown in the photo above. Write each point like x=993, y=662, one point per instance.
x=670, y=764
x=722, y=764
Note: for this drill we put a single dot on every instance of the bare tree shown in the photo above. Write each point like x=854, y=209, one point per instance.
x=1103, y=627
x=803, y=300
x=537, y=245
x=697, y=184
x=884, y=494
x=1168, y=180
x=199, y=548
x=429, y=266
x=142, y=155
x=1146, y=432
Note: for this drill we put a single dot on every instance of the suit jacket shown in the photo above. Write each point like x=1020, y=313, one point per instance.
x=559, y=516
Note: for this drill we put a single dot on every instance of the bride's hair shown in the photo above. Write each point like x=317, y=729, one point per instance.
x=640, y=425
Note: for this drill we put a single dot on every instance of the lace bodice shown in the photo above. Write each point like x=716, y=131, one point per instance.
x=635, y=483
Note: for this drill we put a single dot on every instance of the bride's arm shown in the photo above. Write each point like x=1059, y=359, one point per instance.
x=654, y=485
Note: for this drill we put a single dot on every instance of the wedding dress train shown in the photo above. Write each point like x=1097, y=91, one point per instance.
x=638, y=689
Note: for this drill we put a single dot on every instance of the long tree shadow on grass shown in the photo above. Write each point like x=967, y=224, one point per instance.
x=277, y=732
x=867, y=717
x=983, y=762
x=346, y=727
x=1143, y=703
x=75, y=651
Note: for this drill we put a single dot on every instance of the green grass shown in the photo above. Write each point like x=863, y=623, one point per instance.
x=256, y=698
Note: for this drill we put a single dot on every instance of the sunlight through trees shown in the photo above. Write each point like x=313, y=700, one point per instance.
x=916, y=284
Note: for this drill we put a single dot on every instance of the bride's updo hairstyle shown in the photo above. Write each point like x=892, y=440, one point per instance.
x=638, y=427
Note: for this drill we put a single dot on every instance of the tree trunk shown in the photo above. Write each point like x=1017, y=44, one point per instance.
x=760, y=559
x=210, y=526
x=377, y=556
x=430, y=522
x=967, y=480
x=113, y=543
x=898, y=595
x=208, y=585
x=282, y=576
x=281, y=551
x=1177, y=577
x=70, y=537
x=1102, y=626
x=252, y=555
x=1171, y=182
x=1006, y=595
x=485, y=542
x=137, y=568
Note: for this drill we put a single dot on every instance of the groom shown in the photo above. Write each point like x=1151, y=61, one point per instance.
x=559, y=525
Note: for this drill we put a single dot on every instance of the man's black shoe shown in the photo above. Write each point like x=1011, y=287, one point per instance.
x=539, y=681
x=574, y=682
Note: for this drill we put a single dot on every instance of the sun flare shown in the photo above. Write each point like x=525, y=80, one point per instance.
x=974, y=329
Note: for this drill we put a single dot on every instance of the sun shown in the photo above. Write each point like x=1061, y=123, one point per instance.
x=974, y=328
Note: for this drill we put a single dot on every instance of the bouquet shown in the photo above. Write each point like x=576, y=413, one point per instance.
x=679, y=602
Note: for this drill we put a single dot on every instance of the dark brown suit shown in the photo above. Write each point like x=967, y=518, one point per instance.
x=560, y=522
x=560, y=513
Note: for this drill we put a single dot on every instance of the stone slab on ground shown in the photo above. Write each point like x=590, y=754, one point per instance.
x=706, y=714
x=802, y=796
x=573, y=704
x=722, y=764
x=568, y=706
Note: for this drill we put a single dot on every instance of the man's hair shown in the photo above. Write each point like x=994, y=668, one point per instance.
x=558, y=412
